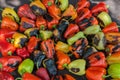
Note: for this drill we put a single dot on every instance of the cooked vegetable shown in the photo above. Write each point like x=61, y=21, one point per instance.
x=63, y=4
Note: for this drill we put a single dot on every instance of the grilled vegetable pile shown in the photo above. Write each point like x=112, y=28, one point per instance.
x=54, y=40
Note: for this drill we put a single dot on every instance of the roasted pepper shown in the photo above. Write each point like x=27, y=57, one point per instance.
x=48, y=47
x=42, y=73
x=71, y=30
x=32, y=44
x=99, y=41
x=112, y=27
x=97, y=60
x=82, y=4
x=113, y=37
x=68, y=77
x=54, y=11
x=5, y=76
x=50, y=66
x=41, y=22
x=22, y=52
x=26, y=23
x=38, y=57
x=48, y=3
x=45, y=34
x=75, y=38
x=63, y=4
x=31, y=32
x=70, y=12
x=25, y=11
x=100, y=7
x=19, y=40
x=37, y=7
x=9, y=23
x=10, y=13
x=9, y=63
x=95, y=73
x=77, y=67
x=104, y=19
x=58, y=77
x=63, y=60
x=26, y=66
x=61, y=46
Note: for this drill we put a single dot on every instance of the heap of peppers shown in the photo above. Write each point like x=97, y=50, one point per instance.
x=46, y=37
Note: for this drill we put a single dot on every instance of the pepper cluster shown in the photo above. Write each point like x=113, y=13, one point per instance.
x=46, y=37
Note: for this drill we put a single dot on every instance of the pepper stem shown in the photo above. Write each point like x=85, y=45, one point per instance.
x=65, y=65
x=49, y=3
x=31, y=0
x=9, y=53
x=54, y=26
x=0, y=20
x=106, y=76
x=18, y=78
x=1, y=66
x=42, y=27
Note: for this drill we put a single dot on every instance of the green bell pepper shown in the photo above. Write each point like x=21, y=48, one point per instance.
x=63, y=4
x=26, y=66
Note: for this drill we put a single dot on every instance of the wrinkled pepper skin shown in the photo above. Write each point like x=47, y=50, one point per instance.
x=97, y=60
x=22, y=52
x=42, y=73
x=95, y=73
x=68, y=77
x=28, y=76
x=63, y=4
x=5, y=76
x=9, y=63
x=63, y=59
x=8, y=23
x=32, y=44
x=48, y=3
x=25, y=11
x=26, y=23
x=50, y=66
x=38, y=8
x=48, y=47
x=38, y=57
x=71, y=30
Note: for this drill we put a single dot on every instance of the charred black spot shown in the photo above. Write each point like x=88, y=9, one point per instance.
x=26, y=25
x=46, y=46
x=22, y=41
x=75, y=70
x=34, y=32
x=97, y=57
x=88, y=52
x=96, y=40
x=116, y=47
x=104, y=40
x=48, y=17
x=14, y=64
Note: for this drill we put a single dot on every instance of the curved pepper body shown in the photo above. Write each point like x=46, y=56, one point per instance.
x=63, y=4
x=6, y=76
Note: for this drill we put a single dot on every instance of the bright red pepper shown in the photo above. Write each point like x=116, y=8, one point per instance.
x=25, y=11
x=82, y=4
x=22, y=52
x=68, y=77
x=41, y=22
x=97, y=60
x=48, y=47
x=28, y=76
x=26, y=23
x=32, y=44
x=5, y=76
x=71, y=30
x=48, y=3
x=9, y=63
x=95, y=73
x=100, y=7
x=112, y=27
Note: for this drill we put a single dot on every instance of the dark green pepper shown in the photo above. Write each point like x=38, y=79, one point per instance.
x=26, y=66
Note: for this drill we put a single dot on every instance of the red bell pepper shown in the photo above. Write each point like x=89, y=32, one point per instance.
x=9, y=63
x=22, y=52
x=5, y=76
x=82, y=4
x=48, y=3
x=32, y=44
x=48, y=47
x=100, y=7
x=25, y=11
x=97, y=60
x=41, y=22
x=71, y=30
x=112, y=27
x=26, y=23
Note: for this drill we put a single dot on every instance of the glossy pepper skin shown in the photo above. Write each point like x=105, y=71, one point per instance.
x=68, y=77
x=48, y=47
x=99, y=72
x=24, y=67
x=63, y=60
x=29, y=76
x=48, y=3
x=26, y=23
x=41, y=23
x=25, y=11
x=97, y=60
x=32, y=44
x=71, y=30
x=100, y=7
x=112, y=27
x=22, y=52
x=6, y=76
x=9, y=63
x=8, y=23
x=63, y=4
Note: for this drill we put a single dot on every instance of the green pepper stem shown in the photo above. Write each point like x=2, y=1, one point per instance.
x=18, y=78
x=31, y=0
x=9, y=53
x=106, y=76
x=0, y=20
x=0, y=65
x=70, y=54
x=65, y=65
x=49, y=3
x=118, y=26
